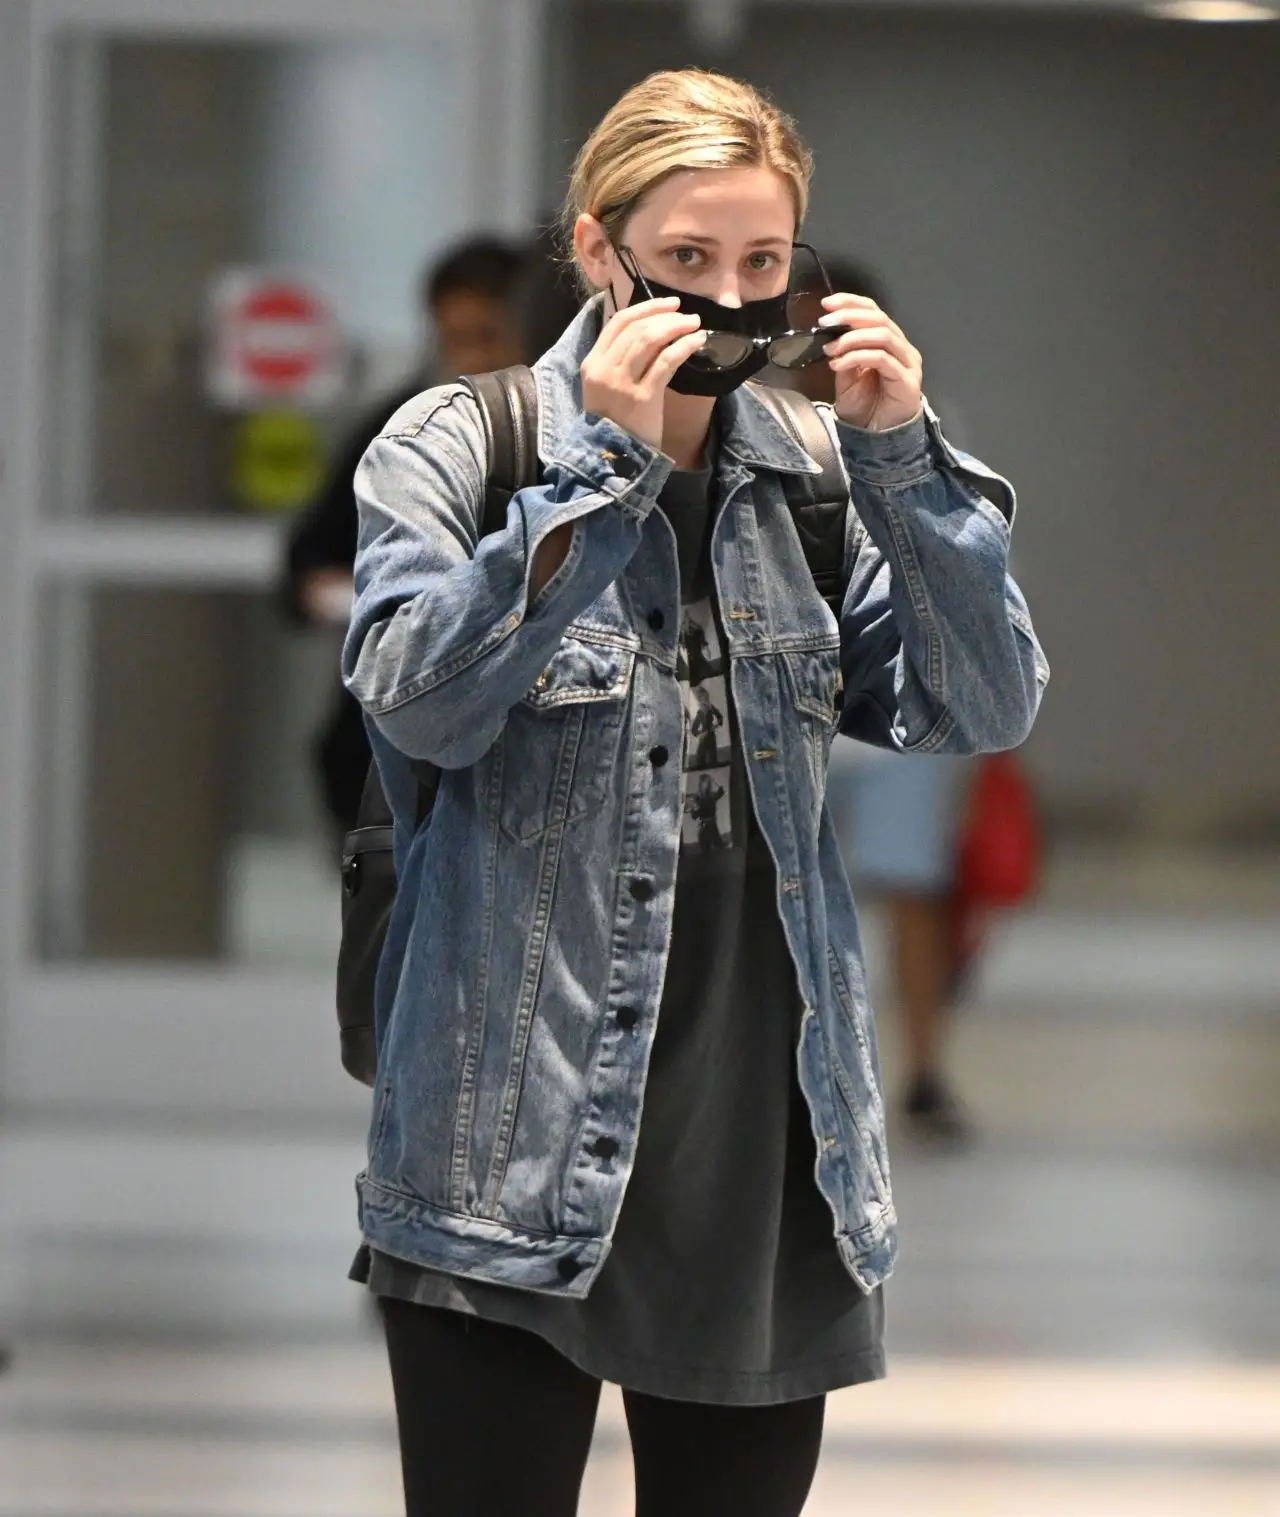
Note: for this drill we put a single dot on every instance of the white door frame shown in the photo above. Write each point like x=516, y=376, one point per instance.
x=85, y=1036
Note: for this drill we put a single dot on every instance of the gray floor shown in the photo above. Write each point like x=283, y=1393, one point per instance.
x=1086, y=1318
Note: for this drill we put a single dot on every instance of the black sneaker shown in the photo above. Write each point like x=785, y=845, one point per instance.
x=934, y=1114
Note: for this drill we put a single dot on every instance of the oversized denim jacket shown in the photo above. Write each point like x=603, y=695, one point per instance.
x=519, y=991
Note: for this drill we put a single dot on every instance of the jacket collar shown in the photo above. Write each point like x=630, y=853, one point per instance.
x=749, y=431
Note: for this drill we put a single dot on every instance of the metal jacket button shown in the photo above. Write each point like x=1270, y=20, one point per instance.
x=659, y=755
x=657, y=620
x=606, y=1148
x=623, y=465
x=641, y=890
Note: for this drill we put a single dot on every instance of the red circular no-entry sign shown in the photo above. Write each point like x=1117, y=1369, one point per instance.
x=276, y=341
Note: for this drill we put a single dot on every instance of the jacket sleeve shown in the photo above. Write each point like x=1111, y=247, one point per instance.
x=445, y=637
x=937, y=647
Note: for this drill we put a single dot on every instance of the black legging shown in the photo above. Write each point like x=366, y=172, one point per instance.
x=493, y=1421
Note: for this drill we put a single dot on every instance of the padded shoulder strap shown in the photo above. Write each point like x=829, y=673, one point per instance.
x=508, y=400
x=800, y=416
x=819, y=503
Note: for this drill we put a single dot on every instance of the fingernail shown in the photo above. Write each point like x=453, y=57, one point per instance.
x=831, y=319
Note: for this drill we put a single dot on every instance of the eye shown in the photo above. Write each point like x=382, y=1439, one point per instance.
x=761, y=260
x=686, y=256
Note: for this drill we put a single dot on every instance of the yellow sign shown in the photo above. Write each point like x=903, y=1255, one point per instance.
x=277, y=460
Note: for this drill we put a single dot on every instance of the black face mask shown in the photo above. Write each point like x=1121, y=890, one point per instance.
x=716, y=370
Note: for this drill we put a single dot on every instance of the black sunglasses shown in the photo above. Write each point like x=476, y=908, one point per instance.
x=786, y=350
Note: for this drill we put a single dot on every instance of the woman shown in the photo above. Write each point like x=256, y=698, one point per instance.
x=562, y=951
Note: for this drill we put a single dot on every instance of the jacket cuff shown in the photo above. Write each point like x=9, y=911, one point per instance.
x=608, y=458
x=900, y=456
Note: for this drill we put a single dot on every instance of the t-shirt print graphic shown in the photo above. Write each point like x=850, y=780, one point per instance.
x=708, y=769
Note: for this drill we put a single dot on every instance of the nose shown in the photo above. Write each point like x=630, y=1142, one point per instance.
x=729, y=293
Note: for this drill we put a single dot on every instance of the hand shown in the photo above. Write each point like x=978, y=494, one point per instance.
x=879, y=376
x=325, y=596
x=624, y=377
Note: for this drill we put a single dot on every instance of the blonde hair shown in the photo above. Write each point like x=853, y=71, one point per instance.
x=680, y=119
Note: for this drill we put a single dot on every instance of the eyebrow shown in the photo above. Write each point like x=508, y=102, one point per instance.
x=714, y=242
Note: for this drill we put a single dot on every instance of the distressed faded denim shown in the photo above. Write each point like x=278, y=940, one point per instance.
x=520, y=986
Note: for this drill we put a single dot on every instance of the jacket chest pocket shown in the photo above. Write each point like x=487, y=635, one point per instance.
x=815, y=686
x=559, y=751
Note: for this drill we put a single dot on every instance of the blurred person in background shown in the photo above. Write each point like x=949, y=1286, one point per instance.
x=470, y=313
x=547, y=297
x=899, y=819
x=567, y=949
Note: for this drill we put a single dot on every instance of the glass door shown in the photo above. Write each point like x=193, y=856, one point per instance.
x=170, y=941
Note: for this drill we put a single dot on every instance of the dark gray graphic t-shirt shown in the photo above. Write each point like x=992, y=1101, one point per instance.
x=723, y=1284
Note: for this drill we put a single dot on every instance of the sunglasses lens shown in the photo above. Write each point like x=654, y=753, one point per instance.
x=797, y=349
x=722, y=350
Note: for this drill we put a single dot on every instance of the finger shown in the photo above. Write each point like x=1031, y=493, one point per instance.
x=842, y=301
x=643, y=308
x=891, y=366
x=642, y=356
x=621, y=321
x=631, y=354
x=670, y=359
x=886, y=337
x=643, y=344
x=890, y=369
x=858, y=313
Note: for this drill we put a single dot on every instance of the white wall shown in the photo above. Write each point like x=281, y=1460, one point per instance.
x=1079, y=223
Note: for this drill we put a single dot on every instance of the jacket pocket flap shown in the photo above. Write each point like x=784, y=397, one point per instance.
x=581, y=670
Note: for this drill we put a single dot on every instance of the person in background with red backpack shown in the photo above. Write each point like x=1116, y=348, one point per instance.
x=626, y=1119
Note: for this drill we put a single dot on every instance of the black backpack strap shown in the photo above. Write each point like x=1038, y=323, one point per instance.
x=819, y=503
x=508, y=401
x=800, y=417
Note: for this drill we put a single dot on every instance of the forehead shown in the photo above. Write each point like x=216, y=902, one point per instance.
x=462, y=304
x=728, y=206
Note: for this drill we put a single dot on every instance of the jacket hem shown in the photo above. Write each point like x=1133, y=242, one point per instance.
x=555, y=1264
x=409, y=1228
x=871, y=1253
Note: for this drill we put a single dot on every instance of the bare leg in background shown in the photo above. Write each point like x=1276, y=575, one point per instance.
x=923, y=971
